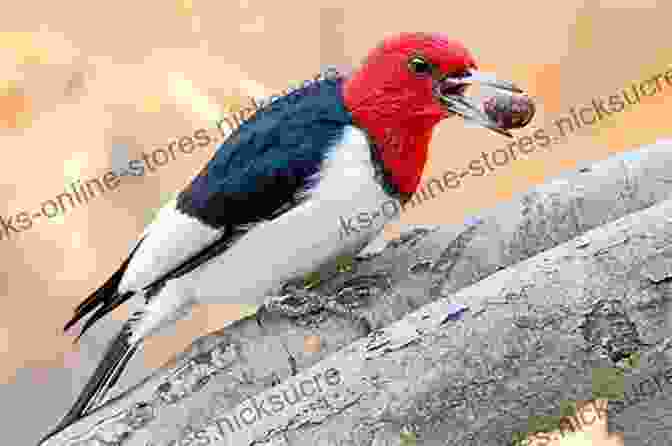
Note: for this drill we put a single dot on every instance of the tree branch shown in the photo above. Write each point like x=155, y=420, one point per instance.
x=416, y=382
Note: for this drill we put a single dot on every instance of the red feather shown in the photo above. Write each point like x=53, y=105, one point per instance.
x=398, y=108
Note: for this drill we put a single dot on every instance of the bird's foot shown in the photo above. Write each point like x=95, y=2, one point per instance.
x=306, y=307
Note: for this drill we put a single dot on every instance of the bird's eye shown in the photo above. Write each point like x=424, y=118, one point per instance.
x=419, y=65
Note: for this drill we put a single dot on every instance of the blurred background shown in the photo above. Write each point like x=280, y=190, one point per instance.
x=85, y=86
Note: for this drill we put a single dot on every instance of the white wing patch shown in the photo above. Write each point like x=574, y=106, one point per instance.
x=170, y=239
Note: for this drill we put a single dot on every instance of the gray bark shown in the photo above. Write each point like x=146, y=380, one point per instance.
x=430, y=382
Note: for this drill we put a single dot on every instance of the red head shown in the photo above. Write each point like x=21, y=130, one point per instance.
x=406, y=86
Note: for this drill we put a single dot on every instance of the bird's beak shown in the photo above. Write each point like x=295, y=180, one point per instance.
x=449, y=91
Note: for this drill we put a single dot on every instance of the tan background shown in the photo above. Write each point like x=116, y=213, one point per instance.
x=80, y=76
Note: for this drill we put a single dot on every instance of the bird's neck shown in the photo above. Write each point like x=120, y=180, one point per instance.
x=402, y=151
x=401, y=138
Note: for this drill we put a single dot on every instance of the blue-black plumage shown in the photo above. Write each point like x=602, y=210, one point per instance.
x=269, y=158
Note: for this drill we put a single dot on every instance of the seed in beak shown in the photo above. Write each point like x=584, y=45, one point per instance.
x=509, y=110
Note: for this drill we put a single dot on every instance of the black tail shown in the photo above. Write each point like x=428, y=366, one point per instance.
x=117, y=355
x=104, y=299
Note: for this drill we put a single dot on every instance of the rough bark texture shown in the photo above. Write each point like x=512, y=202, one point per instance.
x=460, y=380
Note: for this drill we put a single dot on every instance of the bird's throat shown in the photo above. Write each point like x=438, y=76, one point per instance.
x=403, y=152
x=401, y=138
x=402, y=149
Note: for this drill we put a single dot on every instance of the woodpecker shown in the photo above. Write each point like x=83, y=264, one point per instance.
x=266, y=209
